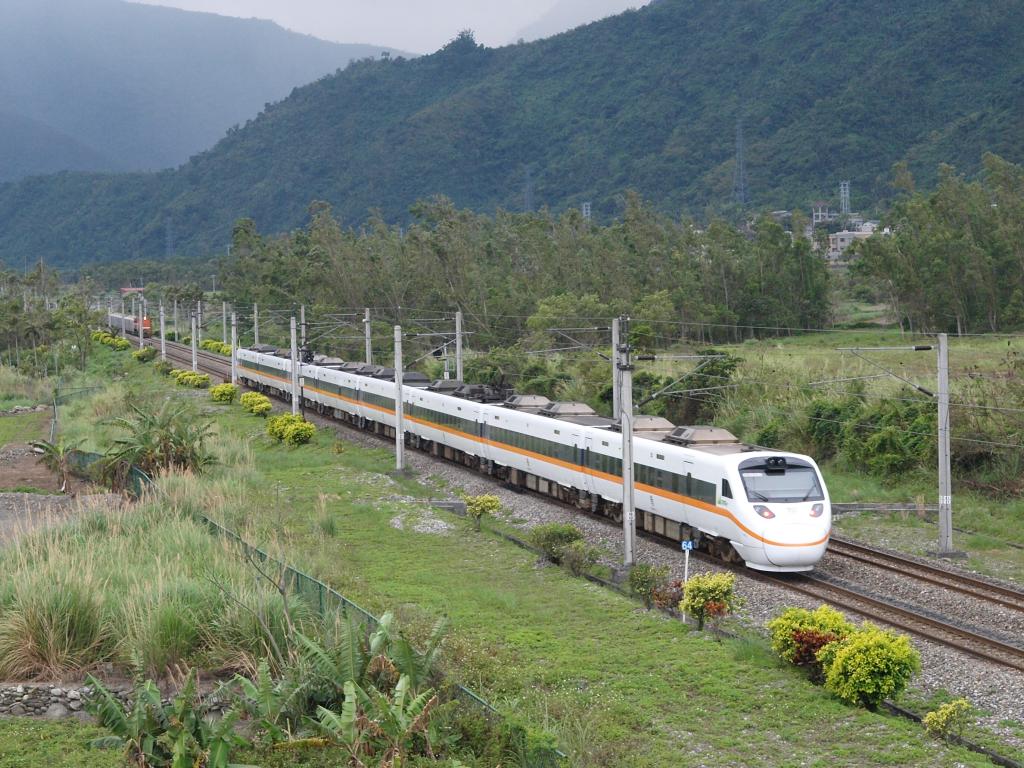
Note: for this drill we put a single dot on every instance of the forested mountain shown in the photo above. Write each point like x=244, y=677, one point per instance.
x=567, y=14
x=110, y=85
x=647, y=100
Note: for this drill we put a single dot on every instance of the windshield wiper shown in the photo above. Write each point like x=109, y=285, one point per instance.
x=761, y=496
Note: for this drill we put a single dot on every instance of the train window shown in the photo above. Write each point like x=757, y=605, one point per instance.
x=557, y=432
x=726, y=490
x=659, y=456
x=604, y=443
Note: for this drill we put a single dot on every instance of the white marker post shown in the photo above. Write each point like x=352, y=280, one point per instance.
x=399, y=402
x=687, y=546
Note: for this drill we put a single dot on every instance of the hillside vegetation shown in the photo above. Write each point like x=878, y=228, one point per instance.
x=105, y=85
x=647, y=100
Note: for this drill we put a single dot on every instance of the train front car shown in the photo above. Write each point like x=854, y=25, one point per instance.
x=786, y=509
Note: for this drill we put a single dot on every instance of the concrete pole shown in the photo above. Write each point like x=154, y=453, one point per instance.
x=945, y=479
x=399, y=403
x=626, y=415
x=163, y=335
x=142, y=317
x=302, y=326
x=295, y=369
x=177, y=335
x=124, y=320
x=195, y=346
x=255, y=325
x=366, y=331
x=199, y=320
x=616, y=376
x=224, y=322
x=458, y=345
x=234, y=349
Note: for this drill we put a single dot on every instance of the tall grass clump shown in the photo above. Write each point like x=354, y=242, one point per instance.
x=129, y=586
x=18, y=389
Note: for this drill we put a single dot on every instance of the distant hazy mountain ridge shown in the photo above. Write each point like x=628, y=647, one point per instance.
x=646, y=100
x=112, y=85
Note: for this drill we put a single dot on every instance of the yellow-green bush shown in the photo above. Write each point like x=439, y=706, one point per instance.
x=191, y=379
x=144, y=355
x=949, y=719
x=798, y=634
x=869, y=666
x=120, y=345
x=255, y=403
x=299, y=433
x=212, y=345
x=478, y=507
x=710, y=596
x=224, y=393
x=291, y=429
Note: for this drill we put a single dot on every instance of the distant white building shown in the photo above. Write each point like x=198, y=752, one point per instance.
x=838, y=242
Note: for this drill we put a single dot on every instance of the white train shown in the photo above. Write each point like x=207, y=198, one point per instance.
x=768, y=509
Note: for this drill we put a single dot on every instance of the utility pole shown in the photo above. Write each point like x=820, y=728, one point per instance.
x=199, y=320
x=616, y=376
x=295, y=369
x=399, y=409
x=234, y=349
x=142, y=319
x=224, y=321
x=366, y=330
x=255, y=325
x=625, y=367
x=163, y=335
x=124, y=321
x=458, y=345
x=177, y=336
x=945, y=548
x=195, y=348
x=945, y=479
x=302, y=326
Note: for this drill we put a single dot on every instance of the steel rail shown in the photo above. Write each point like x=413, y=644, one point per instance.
x=930, y=574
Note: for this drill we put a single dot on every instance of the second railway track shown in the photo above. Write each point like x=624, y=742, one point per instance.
x=939, y=629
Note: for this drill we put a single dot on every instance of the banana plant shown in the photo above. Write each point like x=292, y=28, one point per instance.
x=57, y=457
x=272, y=704
x=156, y=735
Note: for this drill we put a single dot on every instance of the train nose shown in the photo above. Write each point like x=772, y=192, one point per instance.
x=801, y=549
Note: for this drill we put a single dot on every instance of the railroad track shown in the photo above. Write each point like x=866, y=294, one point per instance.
x=929, y=574
x=971, y=641
x=911, y=619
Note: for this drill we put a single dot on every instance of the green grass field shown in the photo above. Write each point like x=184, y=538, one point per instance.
x=27, y=743
x=23, y=428
x=619, y=685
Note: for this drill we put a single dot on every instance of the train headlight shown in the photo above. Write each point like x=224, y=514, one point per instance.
x=764, y=512
x=817, y=510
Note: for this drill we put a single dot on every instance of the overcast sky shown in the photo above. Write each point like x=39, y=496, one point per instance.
x=417, y=26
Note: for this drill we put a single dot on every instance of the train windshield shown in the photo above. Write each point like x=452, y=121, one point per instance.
x=791, y=483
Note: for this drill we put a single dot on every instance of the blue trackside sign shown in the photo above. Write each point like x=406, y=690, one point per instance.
x=687, y=545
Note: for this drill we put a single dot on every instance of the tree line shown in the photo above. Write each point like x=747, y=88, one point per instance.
x=955, y=259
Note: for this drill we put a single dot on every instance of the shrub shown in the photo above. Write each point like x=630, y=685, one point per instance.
x=144, y=355
x=949, y=719
x=120, y=345
x=578, y=557
x=276, y=425
x=668, y=596
x=799, y=634
x=552, y=538
x=869, y=666
x=299, y=433
x=645, y=579
x=478, y=507
x=710, y=597
x=163, y=367
x=224, y=393
x=256, y=403
x=192, y=379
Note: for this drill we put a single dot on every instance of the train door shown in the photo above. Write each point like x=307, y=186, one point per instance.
x=586, y=459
